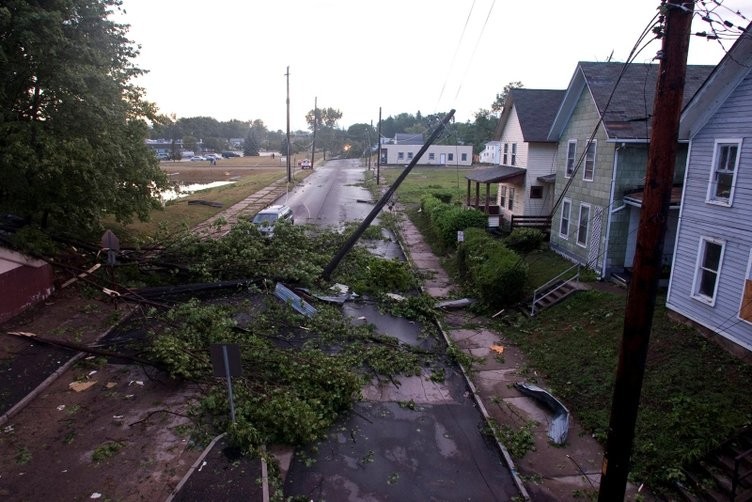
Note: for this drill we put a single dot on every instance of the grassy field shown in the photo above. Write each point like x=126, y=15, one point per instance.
x=423, y=180
x=249, y=174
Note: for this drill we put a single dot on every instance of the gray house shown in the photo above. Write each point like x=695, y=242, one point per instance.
x=603, y=135
x=711, y=278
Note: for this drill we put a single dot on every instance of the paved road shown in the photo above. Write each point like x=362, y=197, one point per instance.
x=411, y=440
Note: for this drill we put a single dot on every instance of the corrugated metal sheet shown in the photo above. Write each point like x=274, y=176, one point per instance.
x=286, y=295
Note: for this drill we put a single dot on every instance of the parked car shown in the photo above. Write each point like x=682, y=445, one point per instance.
x=196, y=158
x=267, y=218
x=229, y=153
x=305, y=164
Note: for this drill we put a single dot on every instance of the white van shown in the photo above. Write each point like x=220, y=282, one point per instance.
x=268, y=217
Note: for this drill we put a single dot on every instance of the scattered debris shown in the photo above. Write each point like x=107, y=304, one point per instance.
x=92, y=372
x=497, y=314
x=499, y=349
x=396, y=297
x=341, y=288
x=8, y=429
x=96, y=495
x=202, y=465
x=295, y=301
x=340, y=298
x=81, y=386
x=137, y=382
x=118, y=417
x=455, y=304
x=61, y=407
x=110, y=385
x=559, y=428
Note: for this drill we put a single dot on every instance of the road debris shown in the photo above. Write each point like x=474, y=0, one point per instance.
x=455, y=304
x=79, y=386
x=296, y=302
x=559, y=427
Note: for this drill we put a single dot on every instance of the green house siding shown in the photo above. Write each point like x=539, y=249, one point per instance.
x=630, y=175
x=596, y=193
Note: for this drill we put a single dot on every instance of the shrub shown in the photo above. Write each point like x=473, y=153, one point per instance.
x=524, y=240
x=443, y=196
x=497, y=272
x=447, y=220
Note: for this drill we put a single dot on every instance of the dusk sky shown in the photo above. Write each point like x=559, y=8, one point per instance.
x=227, y=59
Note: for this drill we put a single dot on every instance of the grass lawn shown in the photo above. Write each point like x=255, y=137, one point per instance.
x=694, y=394
x=423, y=180
x=249, y=174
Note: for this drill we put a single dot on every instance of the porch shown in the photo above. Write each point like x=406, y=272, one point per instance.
x=487, y=177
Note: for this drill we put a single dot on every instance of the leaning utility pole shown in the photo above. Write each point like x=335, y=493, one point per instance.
x=315, y=122
x=287, y=155
x=327, y=273
x=638, y=316
x=378, y=150
x=369, y=146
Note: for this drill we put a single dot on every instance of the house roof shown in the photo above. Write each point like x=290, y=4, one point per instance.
x=549, y=178
x=495, y=174
x=636, y=198
x=628, y=114
x=729, y=73
x=536, y=109
x=402, y=138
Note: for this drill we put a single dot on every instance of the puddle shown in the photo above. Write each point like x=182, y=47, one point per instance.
x=405, y=331
x=185, y=190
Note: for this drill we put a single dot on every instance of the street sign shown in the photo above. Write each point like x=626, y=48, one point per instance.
x=226, y=362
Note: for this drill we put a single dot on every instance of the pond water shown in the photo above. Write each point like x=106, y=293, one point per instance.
x=184, y=190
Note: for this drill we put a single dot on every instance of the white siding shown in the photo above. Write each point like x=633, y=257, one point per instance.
x=728, y=224
x=409, y=151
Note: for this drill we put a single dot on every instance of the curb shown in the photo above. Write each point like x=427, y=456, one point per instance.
x=476, y=397
x=193, y=468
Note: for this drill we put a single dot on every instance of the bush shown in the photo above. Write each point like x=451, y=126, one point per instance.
x=524, y=240
x=447, y=220
x=443, y=196
x=497, y=272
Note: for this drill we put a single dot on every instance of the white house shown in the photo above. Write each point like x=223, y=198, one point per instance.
x=491, y=153
x=404, y=148
x=711, y=276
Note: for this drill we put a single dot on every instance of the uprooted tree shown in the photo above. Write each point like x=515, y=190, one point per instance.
x=72, y=122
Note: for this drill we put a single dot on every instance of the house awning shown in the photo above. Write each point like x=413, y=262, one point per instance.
x=549, y=178
x=636, y=198
x=495, y=174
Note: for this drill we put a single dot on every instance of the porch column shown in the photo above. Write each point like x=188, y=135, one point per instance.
x=488, y=194
x=477, y=194
x=468, y=192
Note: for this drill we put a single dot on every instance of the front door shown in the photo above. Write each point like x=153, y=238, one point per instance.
x=442, y=159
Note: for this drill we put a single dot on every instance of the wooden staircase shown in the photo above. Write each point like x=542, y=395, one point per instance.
x=723, y=475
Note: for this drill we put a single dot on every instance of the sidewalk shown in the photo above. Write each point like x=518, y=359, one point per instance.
x=549, y=472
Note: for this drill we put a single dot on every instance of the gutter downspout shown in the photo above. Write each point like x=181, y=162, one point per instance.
x=608, y=212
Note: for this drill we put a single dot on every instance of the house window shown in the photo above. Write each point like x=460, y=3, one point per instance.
x=707, y=270
x=745, y=309
x=502, y=195
x=536, y=192
x=514, y=154
x=510, y=202
x=400, y=155
x=723, y=174
x=506, y=153
x=463, y=157
x=450, y=156
x=431, y=156
x=566, y=209
x=582, y=227
x=571, y=156
x=587, y=174
x=409, y=155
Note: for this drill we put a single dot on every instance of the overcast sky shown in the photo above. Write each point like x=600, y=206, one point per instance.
x=227, y=58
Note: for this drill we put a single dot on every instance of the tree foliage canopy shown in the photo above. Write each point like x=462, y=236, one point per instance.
x=72, y=123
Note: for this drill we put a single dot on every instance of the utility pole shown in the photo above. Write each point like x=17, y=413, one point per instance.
x=327, y=273
x=287, y=155
x=638, y=315
x=369, y=145
x=378, y=152
x=315, y=123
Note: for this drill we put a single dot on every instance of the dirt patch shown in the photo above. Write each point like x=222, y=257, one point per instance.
x=185, y=174
x=124, y=436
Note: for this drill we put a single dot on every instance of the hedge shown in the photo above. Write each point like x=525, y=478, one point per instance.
x=447, y=220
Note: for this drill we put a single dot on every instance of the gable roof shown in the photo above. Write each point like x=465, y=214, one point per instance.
x=402, y=138
x=536, y=109
x=629, y=113
x=730, y=72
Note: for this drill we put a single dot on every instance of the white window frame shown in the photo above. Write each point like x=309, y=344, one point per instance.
x=698, y=270
x=711, y=197
x=588, y=153
x=747, y=277
x=568, y=204
x=510, y=200
x=572, y=144
x=502, y=196
x=587, y=225
x=514, y=154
